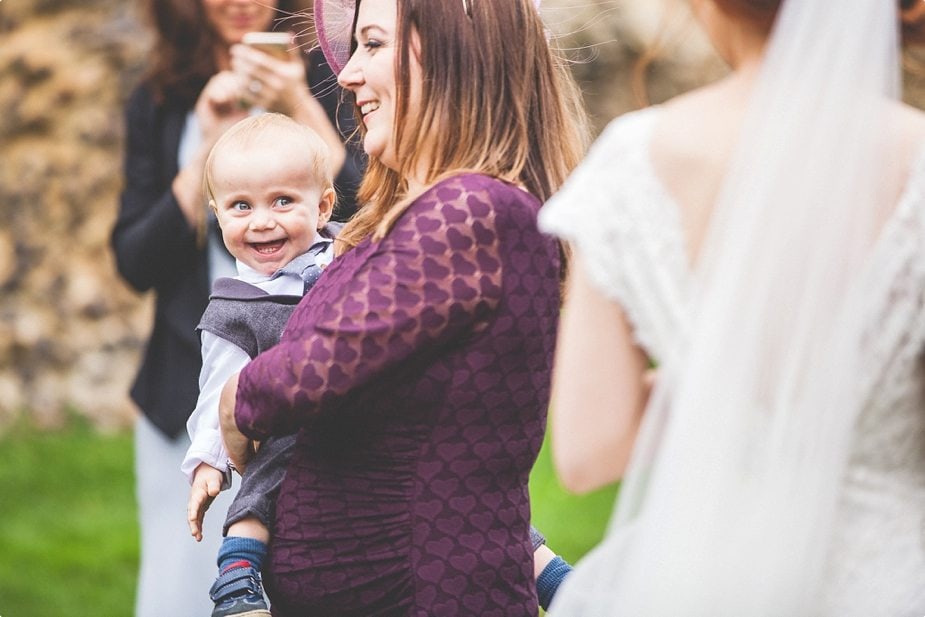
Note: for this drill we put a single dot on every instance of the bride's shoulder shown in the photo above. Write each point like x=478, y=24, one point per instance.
x=907, y=124
x=912, y=119
x=628, y=130
x=907, y=160
x=907, y=137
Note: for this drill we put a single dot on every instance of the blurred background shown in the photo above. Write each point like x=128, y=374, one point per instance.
x=71, y=331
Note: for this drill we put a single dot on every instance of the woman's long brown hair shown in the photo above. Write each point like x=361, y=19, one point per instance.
x=495, y=100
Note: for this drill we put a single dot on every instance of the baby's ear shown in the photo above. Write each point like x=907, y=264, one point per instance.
x=326, y=206
x=214, y=207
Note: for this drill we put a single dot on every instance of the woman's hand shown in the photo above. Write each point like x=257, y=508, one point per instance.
x=219, y=106
x=269, y=82
x=280, y=86
x=238, y=446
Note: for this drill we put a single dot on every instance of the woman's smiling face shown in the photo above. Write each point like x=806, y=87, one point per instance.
x=370, y=75
x=232, y=19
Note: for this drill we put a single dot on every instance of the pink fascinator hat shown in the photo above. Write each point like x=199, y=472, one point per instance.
x=334, y=22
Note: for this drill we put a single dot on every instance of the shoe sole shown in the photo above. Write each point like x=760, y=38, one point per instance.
x=258, y=613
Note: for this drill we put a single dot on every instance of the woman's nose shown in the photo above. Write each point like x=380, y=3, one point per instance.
x=350, y=76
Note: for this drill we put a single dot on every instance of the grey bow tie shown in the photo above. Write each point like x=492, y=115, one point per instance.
x=305, y=266
x=310, y=277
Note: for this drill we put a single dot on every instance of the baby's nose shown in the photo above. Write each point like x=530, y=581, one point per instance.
x=263, y=220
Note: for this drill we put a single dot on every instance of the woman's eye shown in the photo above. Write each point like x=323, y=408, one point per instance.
x=372, y=44
x=240, y=206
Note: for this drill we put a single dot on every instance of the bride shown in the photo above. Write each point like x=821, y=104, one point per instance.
x=761, y=242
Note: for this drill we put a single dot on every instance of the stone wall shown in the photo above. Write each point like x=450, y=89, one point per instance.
x=70, y=330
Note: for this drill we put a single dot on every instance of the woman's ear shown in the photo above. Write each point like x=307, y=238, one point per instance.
x=326, y=206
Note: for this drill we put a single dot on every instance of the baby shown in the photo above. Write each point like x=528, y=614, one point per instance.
x=270, y=185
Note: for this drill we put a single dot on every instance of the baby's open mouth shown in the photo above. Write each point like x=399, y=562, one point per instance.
x=268, y=247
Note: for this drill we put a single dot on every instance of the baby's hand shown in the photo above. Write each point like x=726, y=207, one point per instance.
x=207, y=483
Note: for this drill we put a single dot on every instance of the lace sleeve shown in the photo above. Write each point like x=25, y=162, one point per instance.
x=436, y=276
x=895, y=290
x=621, y=220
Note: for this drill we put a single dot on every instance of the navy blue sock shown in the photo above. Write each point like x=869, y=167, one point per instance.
x=549, y=580
x=238, y=552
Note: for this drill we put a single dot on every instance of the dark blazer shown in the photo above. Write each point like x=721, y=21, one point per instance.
x=156, y=249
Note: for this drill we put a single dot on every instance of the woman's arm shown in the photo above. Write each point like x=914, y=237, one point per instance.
x=154, y=238
x=238, y=446
x=436, y=276
x=599, y=387
x=152, y=241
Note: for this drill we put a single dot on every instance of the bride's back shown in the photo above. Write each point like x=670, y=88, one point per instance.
x=876, y=560
x=696, y=133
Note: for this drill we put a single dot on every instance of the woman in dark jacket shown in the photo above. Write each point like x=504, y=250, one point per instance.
x=200, y=82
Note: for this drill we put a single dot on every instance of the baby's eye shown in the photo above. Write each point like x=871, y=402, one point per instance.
x=283, y=201
x=240, y=206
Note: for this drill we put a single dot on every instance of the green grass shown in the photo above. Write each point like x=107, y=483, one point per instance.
x=68, y=530
x=572, y=524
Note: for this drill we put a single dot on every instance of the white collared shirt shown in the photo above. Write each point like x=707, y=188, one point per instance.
x=220, y=360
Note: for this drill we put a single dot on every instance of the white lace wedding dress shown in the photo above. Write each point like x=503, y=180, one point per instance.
x=627, y=227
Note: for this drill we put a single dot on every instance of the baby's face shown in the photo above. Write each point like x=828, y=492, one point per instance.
x=268, y=203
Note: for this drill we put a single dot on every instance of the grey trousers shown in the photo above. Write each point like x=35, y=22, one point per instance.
x=260, y=483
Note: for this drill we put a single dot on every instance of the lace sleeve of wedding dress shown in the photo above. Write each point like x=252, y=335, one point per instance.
x=878, y=549
x=616, y=214
x=897, y=289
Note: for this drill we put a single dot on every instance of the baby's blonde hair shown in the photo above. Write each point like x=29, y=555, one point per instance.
x=275, y=127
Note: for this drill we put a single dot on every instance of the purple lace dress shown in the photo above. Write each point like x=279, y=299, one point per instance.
x=416, y=373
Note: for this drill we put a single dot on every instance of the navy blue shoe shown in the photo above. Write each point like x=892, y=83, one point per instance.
x=238, y=592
